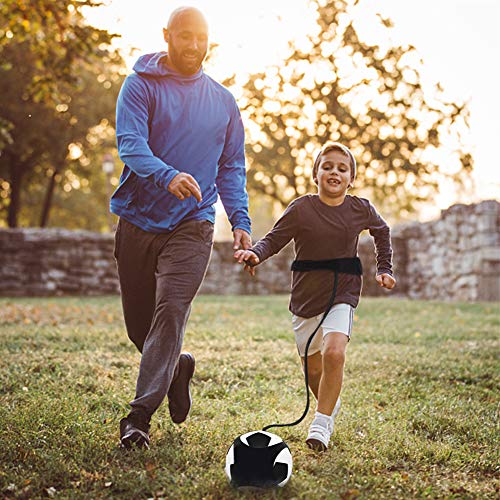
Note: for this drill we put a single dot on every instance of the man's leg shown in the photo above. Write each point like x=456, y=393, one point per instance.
x=182, y=262
x=136, y=255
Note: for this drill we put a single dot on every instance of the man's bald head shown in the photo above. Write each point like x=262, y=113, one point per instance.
x=178, y=13
x=187, y=37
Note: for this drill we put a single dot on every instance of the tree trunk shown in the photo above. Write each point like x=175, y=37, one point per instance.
x=17, y=173
x=47, y=204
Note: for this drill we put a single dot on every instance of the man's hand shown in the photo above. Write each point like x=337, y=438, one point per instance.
x=183, y=186
x=241, y=240
x=386, y=281
x=248, y=258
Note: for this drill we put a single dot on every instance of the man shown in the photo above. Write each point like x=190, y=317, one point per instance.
x=181, y=139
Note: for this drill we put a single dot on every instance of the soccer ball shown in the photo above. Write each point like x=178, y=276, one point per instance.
x=258, y=459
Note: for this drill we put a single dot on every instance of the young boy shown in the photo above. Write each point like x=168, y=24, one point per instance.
x=325, y=226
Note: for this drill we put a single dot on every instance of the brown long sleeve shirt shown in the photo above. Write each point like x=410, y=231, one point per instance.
x=322, y=232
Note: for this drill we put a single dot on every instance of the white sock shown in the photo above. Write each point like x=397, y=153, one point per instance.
x=322, y=415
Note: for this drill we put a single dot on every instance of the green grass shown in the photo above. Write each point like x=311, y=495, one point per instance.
x=419, y=416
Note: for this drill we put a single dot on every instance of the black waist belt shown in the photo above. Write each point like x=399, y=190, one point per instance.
x=347, y=265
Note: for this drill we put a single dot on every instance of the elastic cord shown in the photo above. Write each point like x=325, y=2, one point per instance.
x=306, y=375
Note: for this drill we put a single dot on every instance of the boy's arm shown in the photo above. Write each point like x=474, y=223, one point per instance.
x=282, y=232
x=381, y=234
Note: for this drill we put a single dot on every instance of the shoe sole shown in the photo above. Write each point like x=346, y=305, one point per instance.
x=191, y=373
x=316, y=445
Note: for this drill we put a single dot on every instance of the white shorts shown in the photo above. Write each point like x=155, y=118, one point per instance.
x=339, y=319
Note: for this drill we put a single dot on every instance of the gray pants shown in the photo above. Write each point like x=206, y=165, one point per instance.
x=159, y=275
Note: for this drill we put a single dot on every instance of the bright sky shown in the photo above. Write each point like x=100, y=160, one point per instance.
x=458, y=40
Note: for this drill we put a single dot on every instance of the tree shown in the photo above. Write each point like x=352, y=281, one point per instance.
x=370, y=98
x=59, y=78
x=58, y=37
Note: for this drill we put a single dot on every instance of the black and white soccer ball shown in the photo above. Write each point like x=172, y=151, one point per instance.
x=258, y=459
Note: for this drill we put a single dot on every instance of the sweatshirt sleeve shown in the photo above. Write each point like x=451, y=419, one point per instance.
x=132, y=134
x=231, y=176
x=282, y=232
x=381, y=234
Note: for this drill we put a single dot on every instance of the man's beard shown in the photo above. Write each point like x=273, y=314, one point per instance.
x=184, y=63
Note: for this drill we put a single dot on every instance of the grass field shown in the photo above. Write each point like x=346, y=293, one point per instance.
x=419, y=416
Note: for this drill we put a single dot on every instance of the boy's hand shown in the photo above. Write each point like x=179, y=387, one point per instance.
x=386, y=281
x=248, y=258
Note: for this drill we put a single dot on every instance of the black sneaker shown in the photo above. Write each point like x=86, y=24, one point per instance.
x=134, y=431
x=179, y=396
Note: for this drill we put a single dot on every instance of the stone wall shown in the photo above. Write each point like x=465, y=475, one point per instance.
x=457, y=256
x=454, y=258
x=37, y=262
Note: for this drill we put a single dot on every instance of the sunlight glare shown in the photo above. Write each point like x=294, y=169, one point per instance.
x=250, y=36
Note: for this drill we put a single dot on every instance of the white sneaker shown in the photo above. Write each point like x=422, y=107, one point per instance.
x=321, y=430
x=319, y=433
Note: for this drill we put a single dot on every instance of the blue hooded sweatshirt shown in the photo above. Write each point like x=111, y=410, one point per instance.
x=167, y=123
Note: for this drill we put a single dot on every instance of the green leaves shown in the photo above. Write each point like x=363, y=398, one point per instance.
x=57, y=37
x=59, y=79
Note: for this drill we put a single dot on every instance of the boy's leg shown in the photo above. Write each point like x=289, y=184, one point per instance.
x=314, y=371
x=330, y=385
x=336, y=332
x=302, y=328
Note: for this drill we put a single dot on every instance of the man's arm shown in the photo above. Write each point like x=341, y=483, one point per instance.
x=132, y=134
x=231, y=180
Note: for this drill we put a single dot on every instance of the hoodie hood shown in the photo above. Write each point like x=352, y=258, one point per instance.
x=155, y=64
